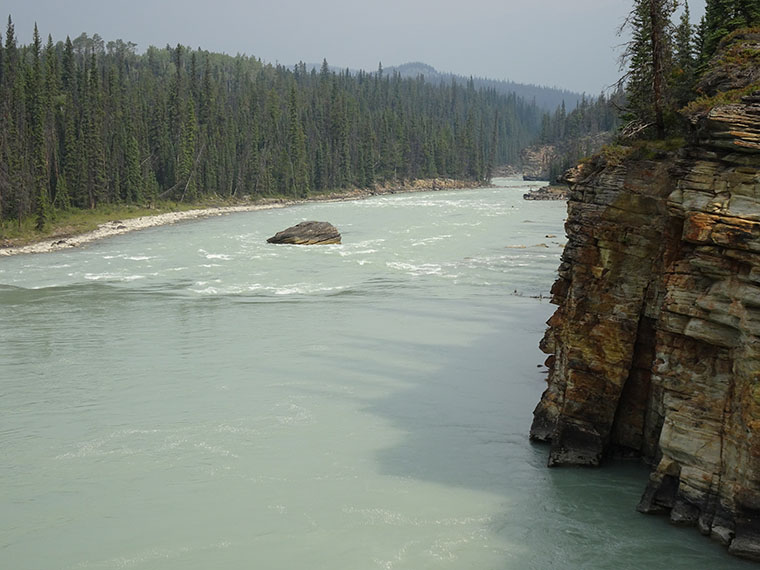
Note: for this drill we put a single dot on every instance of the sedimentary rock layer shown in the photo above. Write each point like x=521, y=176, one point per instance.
x=655, y=348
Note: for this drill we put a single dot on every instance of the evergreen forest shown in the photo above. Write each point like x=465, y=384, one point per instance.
x=665, y=59
x=582, y=131
x=85, y=123
x=664, y=65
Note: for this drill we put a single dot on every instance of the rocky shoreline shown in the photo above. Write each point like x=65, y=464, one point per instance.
x=550, y=192
x=118, y=227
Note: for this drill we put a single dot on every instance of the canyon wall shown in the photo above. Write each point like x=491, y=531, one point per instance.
x=654, y=348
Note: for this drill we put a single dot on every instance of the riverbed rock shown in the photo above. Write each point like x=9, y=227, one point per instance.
x=551, y=192
x=308, y=233
x=655, y=347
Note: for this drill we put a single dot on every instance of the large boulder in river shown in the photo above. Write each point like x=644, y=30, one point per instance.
x=308, y=233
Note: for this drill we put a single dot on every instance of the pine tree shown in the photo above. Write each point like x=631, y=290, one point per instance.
x=649, y=59
x=36, y=111
x=699, y=42
x=299, y=168
x=206, y=94
x=10, y=59
x=684, y=60
x=13, y=107
x=368, y=160
x=186, y=165
x=53, y=114
x=133, y=176
x=5, y=127
x=320, y=168
x=72, y=154
x=491, y=160
x=96, y=179
x=724, y=16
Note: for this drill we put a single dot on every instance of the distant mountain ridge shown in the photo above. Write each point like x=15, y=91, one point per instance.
x=546, y=98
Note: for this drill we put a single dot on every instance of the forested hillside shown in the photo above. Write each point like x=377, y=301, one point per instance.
x=580, y=132
x=85, y=122
x=547, y=98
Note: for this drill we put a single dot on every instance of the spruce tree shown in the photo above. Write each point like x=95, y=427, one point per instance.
x=684, y=60
x=187, y=150
x=72, y=154
x=648, y=56
x=96, y=177
x=53, y=125
x=299, y=168
x=724, y=16
x=133, y=176
x=10, y=59
x=36, y=112
x=12, y=105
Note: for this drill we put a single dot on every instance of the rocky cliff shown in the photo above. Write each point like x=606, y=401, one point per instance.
x=546, y=161
x=655, y=349
x=537, y=160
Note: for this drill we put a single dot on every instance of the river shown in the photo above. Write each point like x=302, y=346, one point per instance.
x=190, y=397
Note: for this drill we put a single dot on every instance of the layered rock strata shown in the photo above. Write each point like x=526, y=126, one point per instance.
x=655, y=347
x=536, y=161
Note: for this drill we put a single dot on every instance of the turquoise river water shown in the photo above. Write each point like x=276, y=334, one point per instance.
x=190, y=397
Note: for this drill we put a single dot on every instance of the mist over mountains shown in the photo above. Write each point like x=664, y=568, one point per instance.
x=546, y=98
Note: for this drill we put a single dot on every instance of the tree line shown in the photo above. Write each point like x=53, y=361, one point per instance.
x=664, y=59
x=589, y=117
x=663, y=63
x=582, y=131
x=547, y=98
x=84, y=122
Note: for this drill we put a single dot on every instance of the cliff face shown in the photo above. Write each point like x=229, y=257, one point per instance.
x=536, y=161
x=539, y=160
x=655, y=347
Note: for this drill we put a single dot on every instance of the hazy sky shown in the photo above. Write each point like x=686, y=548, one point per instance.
x=564, y=43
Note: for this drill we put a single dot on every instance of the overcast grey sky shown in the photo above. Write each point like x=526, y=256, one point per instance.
x=564, y=43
